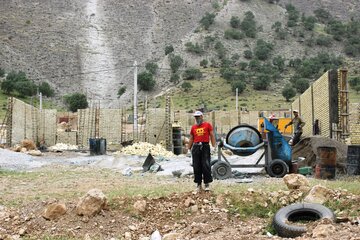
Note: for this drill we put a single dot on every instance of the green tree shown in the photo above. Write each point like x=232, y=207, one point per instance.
x=288, y=92
x=323, y=40
x=235, y=22
x=248, y=25
x=192, y=74
x=169, y=49
x=322, y=15
x=220, y=50
x=233, y=34
x=238, y=84
x=194, y=48
x=174, y=78
x=263, y=49
x=46, y=89
x=301, y=85
x=293, y=15
x=279, y=62
x=186, y=86
x=354, y=81
x=309, y=23
x=76, y=101
x=152, y=67
x=207, y=20
x=262, y=82
x=146, y=81
x=204, y=63
x=175, y=63
x=17, y=81
x=2, y=72
x=277, y=26
x=243, y=65
x=121, y=91
x=248, y=54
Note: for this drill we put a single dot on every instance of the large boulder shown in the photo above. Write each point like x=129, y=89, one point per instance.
x=91, y=203
x=54, y=211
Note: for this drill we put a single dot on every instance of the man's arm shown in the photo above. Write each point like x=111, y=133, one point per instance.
x=212, y=138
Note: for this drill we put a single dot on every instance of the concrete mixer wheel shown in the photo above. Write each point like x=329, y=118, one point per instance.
x=221, y=170
x=277, y=168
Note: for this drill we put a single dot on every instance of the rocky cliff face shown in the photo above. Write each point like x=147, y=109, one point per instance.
x=90, y=45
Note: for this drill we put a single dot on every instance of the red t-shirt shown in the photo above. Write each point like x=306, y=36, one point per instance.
x=201, y=132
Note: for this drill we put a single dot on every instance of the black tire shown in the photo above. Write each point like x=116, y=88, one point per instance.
x=277, y=168
x=297, y=212
x=221, y=170
x=212, y=162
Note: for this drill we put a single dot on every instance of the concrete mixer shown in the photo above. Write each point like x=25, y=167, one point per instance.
x=245, y=140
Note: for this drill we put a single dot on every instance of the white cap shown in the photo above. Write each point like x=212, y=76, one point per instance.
x=295, y=110
x=198, y=114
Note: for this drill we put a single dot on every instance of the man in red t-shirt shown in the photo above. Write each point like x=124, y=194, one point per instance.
x=201, y=134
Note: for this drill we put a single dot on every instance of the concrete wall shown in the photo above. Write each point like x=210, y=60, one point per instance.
x=354, y=123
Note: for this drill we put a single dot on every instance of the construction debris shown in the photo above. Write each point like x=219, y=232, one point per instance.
x=62, y=147
x=143, y=149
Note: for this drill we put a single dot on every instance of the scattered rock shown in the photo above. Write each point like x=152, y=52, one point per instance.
x=155, y=235
x=319, y=194
x=172, y=236
x=54, y=211
x=323, y=231
x=35, y=153
x=295, y=181
x=140, y=205
x=91, y=203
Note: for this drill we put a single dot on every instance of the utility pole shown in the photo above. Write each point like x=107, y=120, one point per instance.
x=135, y=125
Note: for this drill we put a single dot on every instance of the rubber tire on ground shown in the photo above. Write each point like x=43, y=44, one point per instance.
x=277, y=168
x=299, y=211
x=221, y=170
x=212, y=162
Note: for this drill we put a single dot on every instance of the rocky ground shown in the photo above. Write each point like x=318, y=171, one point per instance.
x=133, y=209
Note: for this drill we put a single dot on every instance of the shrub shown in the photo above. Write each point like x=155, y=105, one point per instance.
x=76, y=101
x=293, y=15
x=169, y=49
x=233, y=34
x=309, y=23
x=121, y=91
x=46, y=89
x=204, y=63
x=17, y=81
x=175, y=78
x=323, y=40
x=276, y=26
x=146, y=81
x=248, y=25
x=194, y=48
x=279, y=62
x=238, y=84
x=301, y=85
x=2, y=72
x=176, y=62
x=220, y=49
x=354, y=81
x=235, y=22
x=337, y=29
x=262, y=82
x=152, y=67
x=352, y=46
x=243, y=65
x=322, y=15
x=192, y=74
x=186, y=86
x=288, y=92
x=207, y=20
x=263, y=49
x=248, y=54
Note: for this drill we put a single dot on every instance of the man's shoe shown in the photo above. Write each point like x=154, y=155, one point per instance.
x=198, y=188
x=207, y=187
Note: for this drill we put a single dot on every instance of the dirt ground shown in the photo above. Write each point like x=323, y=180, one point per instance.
x=181, y=211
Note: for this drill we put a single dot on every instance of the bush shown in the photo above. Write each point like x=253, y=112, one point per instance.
x=323, y=40
x=288, y=92
x=2, y=72
x=352, y=46
x=221, y=50
x=194, y=48
x=322, y=15
x=354, y=81
x=207, y=20
x=175, y=63
x=301, y=85
x=309, y=23
x=152, y=67
x=240, y=85
x=17, y=81
x=174, y=78
x=279, y=62
x=243, y=65
x=46, y=89
x=233, y=34
x=263, y=49
x=192, y=74
x=254, y=65
x=204, y=63
x=248, y=54
x=235, y=22
x=169, y=49
x=277, y=26
x=293, y=15
x=76, y=101
x=228, y=74
x=186, y=86
x=146, y=81
x=121, y=91
x=262, y=82
x=248, y=25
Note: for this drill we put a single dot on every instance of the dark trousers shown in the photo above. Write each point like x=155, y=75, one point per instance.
x=296, y=138
x=201, y=163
